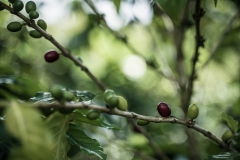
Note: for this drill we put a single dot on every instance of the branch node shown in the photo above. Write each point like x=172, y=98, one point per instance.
x=134, y=115
x=201, y=12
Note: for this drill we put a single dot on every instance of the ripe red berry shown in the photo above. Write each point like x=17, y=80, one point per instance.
x=163, y=109
x=51, y=56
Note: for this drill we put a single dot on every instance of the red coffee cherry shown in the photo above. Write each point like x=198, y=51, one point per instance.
x=51, y=56
x=163, y=109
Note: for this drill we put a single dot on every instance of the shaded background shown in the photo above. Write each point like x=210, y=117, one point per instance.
x=216, y=90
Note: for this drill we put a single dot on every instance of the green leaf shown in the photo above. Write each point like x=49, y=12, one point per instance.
x=174, y=9
x=84, y=94
x=4, y=135
x=235, y=141
x=42, y=97
x=88, y=145
x=7, y=79
x=58, y=124
x=224, y=156
x=80, y=117
x=233, y=124
x=117, y=4
x=25, y=124
x=215, y=3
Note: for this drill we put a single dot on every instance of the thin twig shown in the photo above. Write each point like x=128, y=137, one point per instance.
x=132, y=115
x=65, y=52
x=225, y=32
x=179, y=33
x=123, y=39
x=199, y=43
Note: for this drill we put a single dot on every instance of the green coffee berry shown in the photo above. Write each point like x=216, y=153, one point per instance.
x=113, y=101
x=227, y=135
x=193, y=111
x=108, y=94
x=18, y=6
x=12, y=1
x=122, y=105
x=141, y=122
x=56, y=92
x=35, y=34
x=92, y=114
x=42, y=24
x=14, y=26
x=30, y=6
x=68, y=96
x=33, y=14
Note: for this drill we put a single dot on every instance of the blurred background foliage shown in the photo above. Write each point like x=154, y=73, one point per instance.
x=23, y=71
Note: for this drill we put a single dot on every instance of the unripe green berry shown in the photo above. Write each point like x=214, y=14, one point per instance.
x=122, y=105
x=35, y=34
x=18, y=6
x=14, y=26
x=193, y=111
x=33, y=15
x=141, y=122
x=113, y=101
x=108, y=94
x=30, y=6
x=227, y=135
x=42, y=24
x=68, y=96
x=56, y=92
x=92, y=114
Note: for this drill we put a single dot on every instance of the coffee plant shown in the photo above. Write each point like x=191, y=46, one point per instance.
x=176, y=98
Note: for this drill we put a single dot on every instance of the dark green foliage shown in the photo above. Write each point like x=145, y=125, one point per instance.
x=12, y=1
x=65, y=110
x=235, y=141
x=90, y=146
x=42, y=97
x=4, y=151
x=224, y=156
